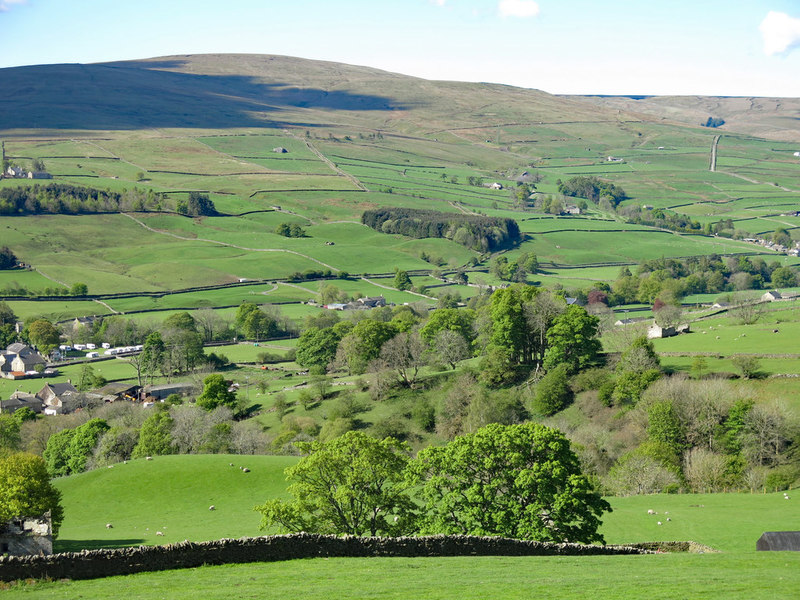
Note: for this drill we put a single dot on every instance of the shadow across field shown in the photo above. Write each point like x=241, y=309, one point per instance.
x=137, y=94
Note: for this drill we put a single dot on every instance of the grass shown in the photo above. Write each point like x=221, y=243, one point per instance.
x=173, y=494
x=669, y=576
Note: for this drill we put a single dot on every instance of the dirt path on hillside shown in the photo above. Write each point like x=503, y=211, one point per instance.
x=116, y=312
x=329, y=162
x=188, y=239
x=712, y=165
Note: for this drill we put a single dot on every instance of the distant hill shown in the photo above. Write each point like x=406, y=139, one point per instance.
x=221, y=91
x=215, y=91
x=771, y=118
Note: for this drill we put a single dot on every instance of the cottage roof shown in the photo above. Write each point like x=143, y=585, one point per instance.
x=19, y=348
x=59, y=388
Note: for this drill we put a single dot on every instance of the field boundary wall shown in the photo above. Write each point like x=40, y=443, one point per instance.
x=92, y=564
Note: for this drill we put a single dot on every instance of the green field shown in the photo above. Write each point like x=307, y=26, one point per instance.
x=173, y=494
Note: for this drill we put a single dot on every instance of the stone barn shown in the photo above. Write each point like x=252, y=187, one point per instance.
x=26, y=535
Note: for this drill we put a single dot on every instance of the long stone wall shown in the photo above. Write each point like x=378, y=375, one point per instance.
x=91, y=564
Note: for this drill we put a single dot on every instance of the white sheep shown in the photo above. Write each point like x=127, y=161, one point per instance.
x=651, y=512
x=245, y=470
x=160, y=533
x=148, y=458
x=212, y=507
x=669, y=519
x=109, y=526
x=659, y=522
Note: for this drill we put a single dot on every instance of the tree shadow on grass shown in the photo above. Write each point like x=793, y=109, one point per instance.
x=142, y=94
x=78, y=545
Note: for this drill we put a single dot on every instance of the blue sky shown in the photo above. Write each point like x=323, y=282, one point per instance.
x=704, y=47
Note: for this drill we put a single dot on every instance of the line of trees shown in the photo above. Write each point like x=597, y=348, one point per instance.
x=592, y=188
x=60, y=198
x=473, y=231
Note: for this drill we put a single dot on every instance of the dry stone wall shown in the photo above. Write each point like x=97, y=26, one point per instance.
x=91, y=564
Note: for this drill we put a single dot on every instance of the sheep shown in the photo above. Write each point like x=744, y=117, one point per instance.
x=231, y=464
x=160, y=533
x=212, y=507
x=109, y=526
x=245, y=470
x=669, y=519
x=659, y=522
x=148, y=458
x=651, y=512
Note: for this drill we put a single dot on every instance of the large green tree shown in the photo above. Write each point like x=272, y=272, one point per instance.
x=353, y=484
x=317, y=347
x=44, y=335
x=520, y=481
x=460, y=321
x=216, y=393
x=572, y=340
x=155, y=436
x=26, y=491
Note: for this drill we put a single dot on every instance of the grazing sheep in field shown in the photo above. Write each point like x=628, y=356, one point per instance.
x=669, y=519
x=109, y=526
x=148, y=458
x=659, y=522
x=245, y=470
x=231, y=464
x=212, y=507
x=159, y=533
x=651, y=512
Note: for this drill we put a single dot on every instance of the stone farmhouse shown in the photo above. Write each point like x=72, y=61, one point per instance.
x=20, y=360
x=21, y=400
x=59, y=398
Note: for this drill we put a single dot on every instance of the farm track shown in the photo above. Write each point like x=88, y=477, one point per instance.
x=113, y=311
x=712, y=165
x=388, y=287
x=217, y=242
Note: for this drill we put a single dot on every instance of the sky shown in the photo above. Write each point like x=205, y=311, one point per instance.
x=647, y=47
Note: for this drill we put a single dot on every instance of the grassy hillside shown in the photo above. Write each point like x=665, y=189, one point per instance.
x=357, y=138
x=171, y=494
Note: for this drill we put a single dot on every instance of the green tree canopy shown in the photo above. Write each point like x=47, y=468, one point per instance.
x=459, y=320
x=402, y=281
x=43, y=335
x=155, y=436
x=520, y=481
x=215, y=393
x=572, y=340
x=353, y=484
x=317, y=347
x=8, y=259
x=9, y=432
x=26, y=490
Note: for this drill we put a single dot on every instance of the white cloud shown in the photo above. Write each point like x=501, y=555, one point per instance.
x=781, y=33
x=6, y=5
x=518, y=8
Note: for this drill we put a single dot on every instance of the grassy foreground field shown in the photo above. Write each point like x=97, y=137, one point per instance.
x=173, y=493
x=767, y=575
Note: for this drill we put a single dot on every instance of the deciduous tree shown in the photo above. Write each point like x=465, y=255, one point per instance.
x=520, y=481
x=26, y=490
x=351, y=485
